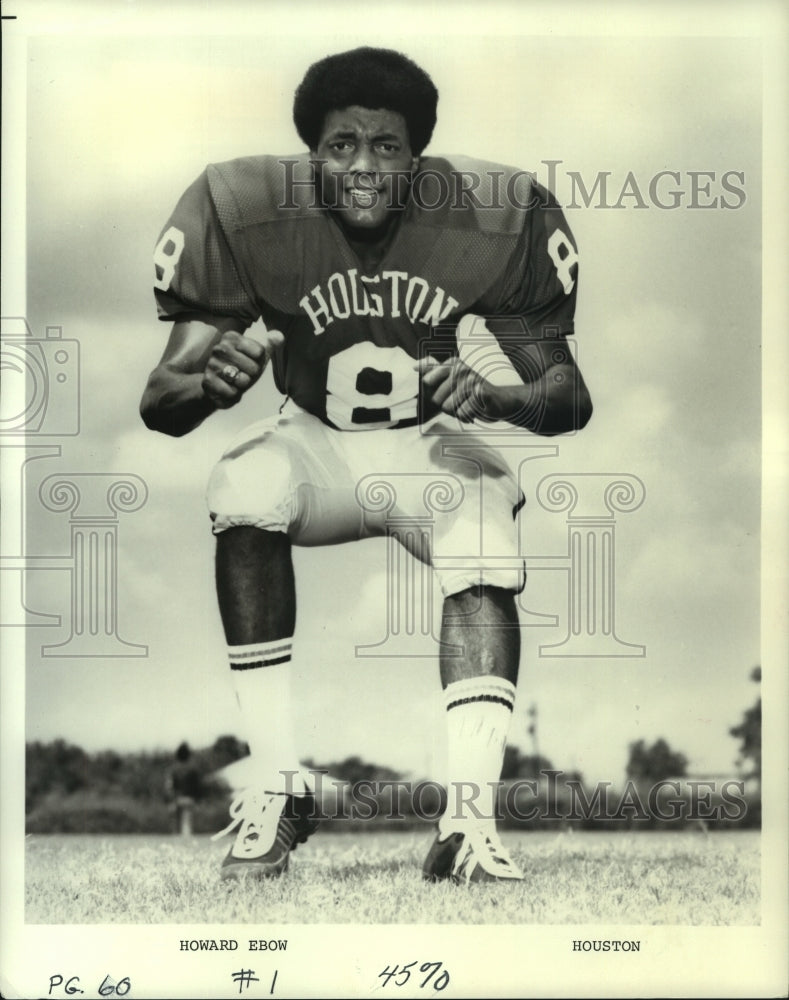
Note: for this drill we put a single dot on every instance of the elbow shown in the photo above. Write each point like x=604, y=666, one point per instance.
x=154, y=421
x=155, y=417
x=149, y=412
x=584, y=411
x=573, y=415
x=171, y=407
x=149, y=403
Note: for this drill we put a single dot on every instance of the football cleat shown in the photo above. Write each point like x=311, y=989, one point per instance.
x=270, y=827
x=473, y=855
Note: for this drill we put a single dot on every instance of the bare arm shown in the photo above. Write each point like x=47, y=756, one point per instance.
x=190, y=381
x=554, y=400
x=557, y=399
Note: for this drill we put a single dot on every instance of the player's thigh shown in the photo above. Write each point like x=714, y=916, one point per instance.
x=465, y=497
x=287, y=474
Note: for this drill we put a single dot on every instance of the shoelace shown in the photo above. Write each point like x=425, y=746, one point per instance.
x=482, y=843
x=242, y=809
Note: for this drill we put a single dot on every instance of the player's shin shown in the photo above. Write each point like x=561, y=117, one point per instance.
x=479, y=691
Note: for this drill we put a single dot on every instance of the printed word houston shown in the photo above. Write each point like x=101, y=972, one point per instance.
x=585, y=944
x=391, y=293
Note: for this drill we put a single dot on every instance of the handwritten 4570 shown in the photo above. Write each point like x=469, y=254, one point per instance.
x=402, y=975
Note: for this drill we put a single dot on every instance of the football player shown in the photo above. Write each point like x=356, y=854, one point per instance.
x=349, y=260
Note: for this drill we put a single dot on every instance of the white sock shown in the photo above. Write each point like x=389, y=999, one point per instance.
x=261, y=674
x=479, y=712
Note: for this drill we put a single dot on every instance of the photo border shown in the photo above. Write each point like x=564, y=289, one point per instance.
x=339, y=960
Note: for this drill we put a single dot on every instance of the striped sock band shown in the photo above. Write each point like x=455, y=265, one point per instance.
x=482, y=690
x=261, y=677
x=260, y=654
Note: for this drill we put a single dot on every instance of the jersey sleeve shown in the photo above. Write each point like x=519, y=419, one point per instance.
x=195, y=275
x=541, y=280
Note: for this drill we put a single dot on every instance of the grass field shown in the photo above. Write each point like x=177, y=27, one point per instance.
x=617, y=878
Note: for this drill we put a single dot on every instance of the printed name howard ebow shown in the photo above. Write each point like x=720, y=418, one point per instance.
x=231, y=944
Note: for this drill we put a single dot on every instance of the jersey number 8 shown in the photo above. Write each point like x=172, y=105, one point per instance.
x=165, y=257
x=369, y=386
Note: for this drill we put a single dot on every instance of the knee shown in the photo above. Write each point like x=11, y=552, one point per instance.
x=244, y=546
x=244, y=538
x=253, y=490
x=508, y=579
x=482, y=607
x=469, y=600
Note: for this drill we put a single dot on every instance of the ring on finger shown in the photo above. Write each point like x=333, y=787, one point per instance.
x=230, y=373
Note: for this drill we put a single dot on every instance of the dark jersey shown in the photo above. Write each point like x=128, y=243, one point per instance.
x=249, y=239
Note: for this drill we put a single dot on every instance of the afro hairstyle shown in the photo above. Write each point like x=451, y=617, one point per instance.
x=369, y=78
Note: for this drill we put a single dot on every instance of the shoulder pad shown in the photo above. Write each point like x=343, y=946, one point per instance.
x=478, y=193
x=255, y=189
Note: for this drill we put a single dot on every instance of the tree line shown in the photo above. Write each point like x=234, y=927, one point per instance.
x=70, y=789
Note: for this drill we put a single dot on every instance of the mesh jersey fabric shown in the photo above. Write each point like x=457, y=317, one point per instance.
x=253, y=241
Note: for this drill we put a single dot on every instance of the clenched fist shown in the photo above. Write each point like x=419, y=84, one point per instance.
x=456, y=389
x=236, y=362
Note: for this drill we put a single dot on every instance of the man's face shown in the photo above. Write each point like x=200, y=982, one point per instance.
x=368, y=157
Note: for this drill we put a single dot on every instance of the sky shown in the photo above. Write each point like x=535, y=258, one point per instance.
x=668, y=337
